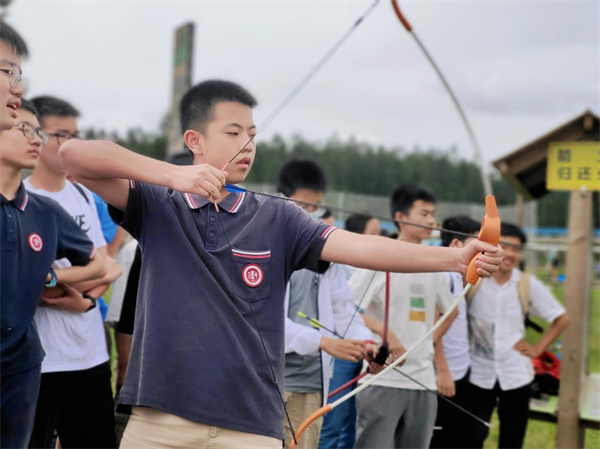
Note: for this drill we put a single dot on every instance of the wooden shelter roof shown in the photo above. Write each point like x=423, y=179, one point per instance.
x=525, y=167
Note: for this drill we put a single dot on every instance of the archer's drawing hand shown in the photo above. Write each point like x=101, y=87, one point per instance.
x=487, y=263
x=353, y=350
x=203, y=179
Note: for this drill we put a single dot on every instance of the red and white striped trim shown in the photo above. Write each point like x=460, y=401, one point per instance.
x=131, y=184
x=190, y=201
x=93, y=252
x=238, y=203
x=251, y=254
x=24, y=203
x=327, y=232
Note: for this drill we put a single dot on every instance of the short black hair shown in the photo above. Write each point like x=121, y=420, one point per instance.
x=326, y=214
x=406, y=195
x=357, y=223
x=301, y=174
x=47, y=105
x=28, y=106
x=196, y=106
x=460, y=223
x=13, y=39
x=512, y=230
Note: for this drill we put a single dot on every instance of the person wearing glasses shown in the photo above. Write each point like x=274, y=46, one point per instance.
x=34, y=232
x=75, y=394
x=309, y=352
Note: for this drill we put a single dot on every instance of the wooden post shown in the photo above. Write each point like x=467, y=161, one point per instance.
x=569, y=433
x=519, y=210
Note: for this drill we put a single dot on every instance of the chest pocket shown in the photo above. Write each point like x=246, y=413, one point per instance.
x=252, y=274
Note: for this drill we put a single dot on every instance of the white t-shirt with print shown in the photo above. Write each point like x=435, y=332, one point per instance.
x=496, y=323
x=413, y=300
x=456, y=338
x=72, y=341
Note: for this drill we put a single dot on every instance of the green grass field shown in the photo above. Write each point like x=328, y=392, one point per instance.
x=542, y=434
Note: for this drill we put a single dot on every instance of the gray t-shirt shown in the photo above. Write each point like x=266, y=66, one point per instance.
x=209, y=282
x=303, y=372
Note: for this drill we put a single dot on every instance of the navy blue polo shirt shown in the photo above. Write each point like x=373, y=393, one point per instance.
x=208, y=280
x=34, y=231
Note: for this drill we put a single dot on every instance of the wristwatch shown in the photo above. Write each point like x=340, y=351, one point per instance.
x=52, y=281
x=91, y=298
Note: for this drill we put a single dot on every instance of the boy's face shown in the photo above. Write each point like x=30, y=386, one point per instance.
x=9, y=95
x=421, y=212
x=373, y=227
x=512, y=253
x=231, y=128
x=64, y=127
x=16, y=150
x=310, y=196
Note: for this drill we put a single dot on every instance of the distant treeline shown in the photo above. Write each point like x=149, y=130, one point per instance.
x=360, y=167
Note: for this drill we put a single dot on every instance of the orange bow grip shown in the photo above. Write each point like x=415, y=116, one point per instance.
x=308, y=421
x=489, y=232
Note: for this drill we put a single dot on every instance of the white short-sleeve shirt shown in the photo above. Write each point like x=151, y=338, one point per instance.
x=413, y=300
x=496, y=323
x=456, y=338
x=72, y=341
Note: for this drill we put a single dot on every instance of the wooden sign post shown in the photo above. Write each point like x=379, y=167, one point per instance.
x=575, y=166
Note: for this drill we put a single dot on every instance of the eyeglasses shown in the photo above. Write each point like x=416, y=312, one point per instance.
x=14, y=76
x=30, y=132
x=63, y=137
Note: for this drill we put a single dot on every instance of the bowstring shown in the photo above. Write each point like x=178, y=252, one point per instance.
x=262, y=341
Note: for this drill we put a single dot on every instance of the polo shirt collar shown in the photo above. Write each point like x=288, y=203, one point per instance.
x=232, y=203
x=21, y=199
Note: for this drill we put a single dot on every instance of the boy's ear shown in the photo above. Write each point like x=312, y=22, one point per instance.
x=456, y=243
x=194, y=141
x=399, y=216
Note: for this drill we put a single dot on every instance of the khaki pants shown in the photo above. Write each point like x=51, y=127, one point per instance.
x=150, y=428
x=299, y=407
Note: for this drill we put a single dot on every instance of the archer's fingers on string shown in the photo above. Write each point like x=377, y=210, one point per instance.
x=210, y=189
x=219, y=175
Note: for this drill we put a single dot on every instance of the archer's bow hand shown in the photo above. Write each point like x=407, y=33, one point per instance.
x=203, y=179
x=487, y=263
x=346, y=349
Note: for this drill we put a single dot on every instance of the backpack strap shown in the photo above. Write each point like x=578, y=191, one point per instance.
x=523, y=287
x=80, y=190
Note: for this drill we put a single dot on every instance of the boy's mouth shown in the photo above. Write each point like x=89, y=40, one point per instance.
x=244, y=161
x=13, y=105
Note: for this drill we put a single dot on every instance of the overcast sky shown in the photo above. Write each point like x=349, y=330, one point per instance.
x=519, y=68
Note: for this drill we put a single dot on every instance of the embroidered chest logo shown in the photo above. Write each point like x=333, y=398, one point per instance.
x=35, y=242
x=252, y=275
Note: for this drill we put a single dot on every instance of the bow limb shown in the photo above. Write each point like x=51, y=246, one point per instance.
x=487, y=186
x=327, y=408
x=490, y=233
x=383, y=353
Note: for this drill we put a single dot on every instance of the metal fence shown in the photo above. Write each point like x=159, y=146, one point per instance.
x=380, y=206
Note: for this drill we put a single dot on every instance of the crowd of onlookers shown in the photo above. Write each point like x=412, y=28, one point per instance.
x=234, y=313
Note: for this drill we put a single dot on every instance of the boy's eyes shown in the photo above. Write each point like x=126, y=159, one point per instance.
x=234, y=133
